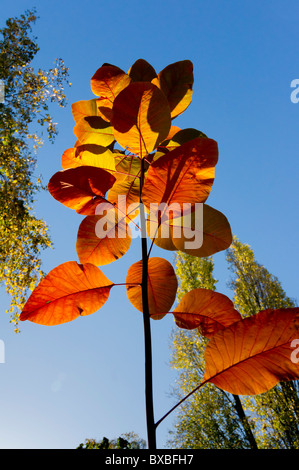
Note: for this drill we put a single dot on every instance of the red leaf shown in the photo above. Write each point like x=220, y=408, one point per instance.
x=81, y=188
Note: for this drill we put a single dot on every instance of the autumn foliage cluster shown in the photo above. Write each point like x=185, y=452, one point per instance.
x=129, y=160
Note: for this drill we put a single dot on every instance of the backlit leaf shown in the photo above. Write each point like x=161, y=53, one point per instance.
x=103, y=238
x=96, y=156
x=83, y=108
x=201, y=232
x=175, y=138
x=126, y=189
x=181, y=137
x=141, y=118
x=65, y=293
x=142, y=71
x=173, y=131
x=202, y=237
x=94, y=130
x=176, y=82
x=162, y=286
x=206, y=310
x=253, y=355
x=184, y=175
x=159, y=230
x=107, y=83
x=81, y=188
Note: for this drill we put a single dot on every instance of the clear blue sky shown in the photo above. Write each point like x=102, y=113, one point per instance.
x=85, y=379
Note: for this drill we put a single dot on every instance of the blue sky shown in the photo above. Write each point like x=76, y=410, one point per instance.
x=85, y=379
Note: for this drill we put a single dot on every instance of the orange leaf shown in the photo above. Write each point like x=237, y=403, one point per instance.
x=202, y=231
x=103, y=238
x=141, y=118
x=182, y=136
x=162, y=286
x=253, y=355
x=88, y=155
x=127, y=184
x=81, y=188
x=107, y=83
x=204, y=237
x=94, y=130
x=206, y=310
x=160, y=231
x=176, y=81
x=69, y=159
x=65, y=293
x=173, y=131
x=184, y=175
x=142, y=71
x=83, y=108
x=175, y=138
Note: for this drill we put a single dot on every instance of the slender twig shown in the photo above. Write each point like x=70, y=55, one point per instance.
x=178, y=404
x=239, y=409
x=156, y=231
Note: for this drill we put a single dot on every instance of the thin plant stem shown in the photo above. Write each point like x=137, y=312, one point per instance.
x=178, y=404
x=239, y=409
x=151, y=428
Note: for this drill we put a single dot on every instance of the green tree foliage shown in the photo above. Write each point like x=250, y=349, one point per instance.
x=208, y=419
x=211, y=418
x=255, y=289
x=128, y=440
x=23, y=117
x=194, y=272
